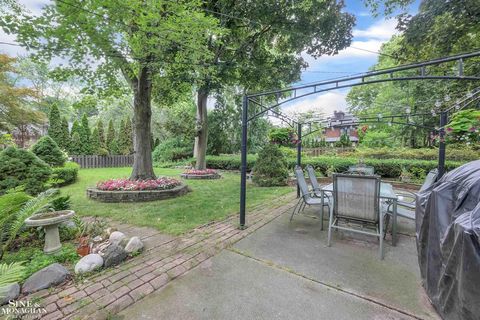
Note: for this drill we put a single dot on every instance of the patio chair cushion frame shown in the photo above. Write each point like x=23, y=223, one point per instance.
x=373, y=219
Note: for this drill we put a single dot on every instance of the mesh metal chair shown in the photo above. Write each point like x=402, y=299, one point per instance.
x=307, y=197
x=361, y=169
x=313, y=181
x=406, y=201
x=356, y=202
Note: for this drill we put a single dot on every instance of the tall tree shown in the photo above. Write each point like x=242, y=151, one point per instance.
x=95, y=141
x=266, y=38
x=101, y=134
x=147, y=42
x=75, y=144
x=65, y=135
x=16, y=113
x=112, y=144
x=55, y=124
x=85, y=134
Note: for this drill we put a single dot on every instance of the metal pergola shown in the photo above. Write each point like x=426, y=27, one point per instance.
x=420, y=72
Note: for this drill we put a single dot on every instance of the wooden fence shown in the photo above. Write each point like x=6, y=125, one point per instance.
x=103, y=161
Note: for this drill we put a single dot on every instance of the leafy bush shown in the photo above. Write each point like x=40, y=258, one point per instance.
x=21, y=167
x=377, y=139
x=65, y=175
x=271, y=167
x=47, y=150
x=172, y=149
x=454, y=154
x=281, y=136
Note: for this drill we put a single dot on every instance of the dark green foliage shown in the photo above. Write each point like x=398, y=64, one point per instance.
x=125, y=141
x=172, y=149
x=95, y=141
x=344, y=141
x=64, y=143
x=85, y=134
x=22, y=167
x=271, y=167
x=65, y=175
x=60, y=203
x=55, y=124
x=75, y=147
x=101, y=134
x=112, y=145
x=281, y=136
x=11, y=202
x=47, y=150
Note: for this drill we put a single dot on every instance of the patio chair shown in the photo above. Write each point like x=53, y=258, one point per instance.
x=356, y=202
x=313, y=181
x=361, y=169
x=406, y=205
x=307, y=197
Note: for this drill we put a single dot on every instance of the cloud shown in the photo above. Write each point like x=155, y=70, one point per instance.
x=381, y=30
x=325, y=103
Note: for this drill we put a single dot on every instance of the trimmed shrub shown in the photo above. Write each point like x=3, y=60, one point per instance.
x=387, y=168
x=20, y=167
x=271, y=167
x=47, y=150
x=65, y=175
x=172, y=149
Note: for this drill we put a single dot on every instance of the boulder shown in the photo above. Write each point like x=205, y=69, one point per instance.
x=10, y=292
x=89, y=263
x=134, y=245
x=116, y=237
x=68, y=224
x=113, y=255
x=47, y=277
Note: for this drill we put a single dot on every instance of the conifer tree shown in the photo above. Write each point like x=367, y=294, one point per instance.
x=75, y=147
x=112, y=145
x=85, y=136
x=95, y=141
x=55, y=124
x=129, y=135
x=101, y=134
x=65, y=136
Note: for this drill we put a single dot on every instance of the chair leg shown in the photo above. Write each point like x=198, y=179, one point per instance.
x=321, y=218
x=296, y=206
x=302, y=207
x=387, y=221
x=381, y=239
x=330, y=221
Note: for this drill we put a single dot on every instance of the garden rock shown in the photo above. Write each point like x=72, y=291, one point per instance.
x=116, y=237
x=89, y=263
x=68, y=224
x=47, y=277
x=11, y=292
x=114, y=255
x=134, y=245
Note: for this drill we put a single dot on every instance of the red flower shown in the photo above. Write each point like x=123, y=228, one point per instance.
x=162, y=183
x=200, y=172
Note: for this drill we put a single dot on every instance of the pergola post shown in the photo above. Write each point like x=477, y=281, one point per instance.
x=441, y=147
x=299, y=151
x=243, y=168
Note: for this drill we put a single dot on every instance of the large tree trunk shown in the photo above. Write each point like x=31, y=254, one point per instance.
x=142, y=113
x=202, y=129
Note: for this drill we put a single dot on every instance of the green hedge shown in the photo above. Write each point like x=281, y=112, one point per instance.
x=453, y=154
x=65, y=175
x=387, y=168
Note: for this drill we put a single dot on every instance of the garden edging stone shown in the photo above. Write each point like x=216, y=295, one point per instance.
x=45, y=278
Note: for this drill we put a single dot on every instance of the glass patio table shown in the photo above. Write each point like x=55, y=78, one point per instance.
x=386, y=193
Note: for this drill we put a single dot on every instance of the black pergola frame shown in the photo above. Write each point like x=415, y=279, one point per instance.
x=346, y=82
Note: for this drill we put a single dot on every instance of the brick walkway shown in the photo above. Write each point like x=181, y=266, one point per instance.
x=114, y=289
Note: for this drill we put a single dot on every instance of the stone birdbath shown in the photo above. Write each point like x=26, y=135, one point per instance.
x=50, y=221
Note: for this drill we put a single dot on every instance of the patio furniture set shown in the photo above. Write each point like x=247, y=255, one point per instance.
x=358, y=201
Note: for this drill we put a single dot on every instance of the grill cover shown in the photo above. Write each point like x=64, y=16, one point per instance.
x=448, y=230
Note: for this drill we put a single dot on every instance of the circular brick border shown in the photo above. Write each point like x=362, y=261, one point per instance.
x=201, y=176
x=136, y=196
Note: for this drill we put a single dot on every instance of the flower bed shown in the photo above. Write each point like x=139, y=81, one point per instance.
x=200, y=174
x=124, y=190
x=162, y=183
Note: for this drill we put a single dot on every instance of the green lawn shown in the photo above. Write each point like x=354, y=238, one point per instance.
x=209, y=200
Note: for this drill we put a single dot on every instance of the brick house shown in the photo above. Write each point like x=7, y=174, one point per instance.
x=339, y=124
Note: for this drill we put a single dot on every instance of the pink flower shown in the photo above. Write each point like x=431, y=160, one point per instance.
x=162, y=183
x=200, y=172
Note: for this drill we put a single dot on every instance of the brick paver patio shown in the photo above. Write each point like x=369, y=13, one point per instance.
x=114, y=289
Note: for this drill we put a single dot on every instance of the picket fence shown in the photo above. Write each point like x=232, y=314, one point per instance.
x=94, y=161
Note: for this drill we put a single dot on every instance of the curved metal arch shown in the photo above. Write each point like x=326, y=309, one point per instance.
x=276, y=114
x=365, y=83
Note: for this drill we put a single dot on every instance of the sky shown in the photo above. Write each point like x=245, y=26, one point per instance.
x=368, y=34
